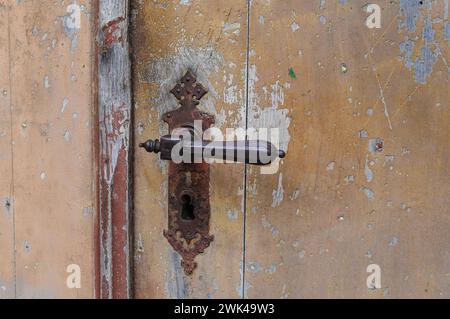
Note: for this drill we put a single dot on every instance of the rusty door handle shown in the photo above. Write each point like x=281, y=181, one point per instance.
x=256, y=152
x=188, y=174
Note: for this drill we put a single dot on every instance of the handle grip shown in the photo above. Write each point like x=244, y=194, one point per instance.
x=255, y=152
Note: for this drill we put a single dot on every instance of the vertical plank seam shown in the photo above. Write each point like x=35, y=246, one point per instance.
x=114, y=149
x=247, y=103
x=96, y=149
x=11, y=191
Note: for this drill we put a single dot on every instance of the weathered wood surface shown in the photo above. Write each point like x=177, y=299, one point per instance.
x=46, y=158
x=333, y=87
x=7, y=269
x=337, y=206
x=114, y=105
x=168, y=37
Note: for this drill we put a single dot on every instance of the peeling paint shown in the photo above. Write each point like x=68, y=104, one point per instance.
x=232, y=214
x=368, y=192
x=394, y=241
x=376, y=145
x=64, y=104
x=114, y=131
x=166, y=71
x=278, y=193
x=47, y=83
x=271, y=269
x=72, y=23
x=88, y=211
x=185, y=2
x=266, y=224
x=294, y=26
x=253, y=267
x=176, y=284
x=411, y=12
x=331, y=166
x=367, y=171
x=268, y=117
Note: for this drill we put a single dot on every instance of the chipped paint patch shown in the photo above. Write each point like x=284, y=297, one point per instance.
x=266, y=224
x=26, y=246
x=271, y=269
x=113, y=32
x=349, y=179
x=166, y=71
x=268, y=117
x=368, y=192
x=363, y=134
x=331, y=166
x=64, y=104
x=376, y=145
x=367, y=171
x=88, y=211
x=253, y=267
x=278, y=193
x=43, y=176
x=47, y=83
x=185, y=2
x=420, y=58
x=295, y=195
x=176, y=284
x=232, y=215
x=231, y=91
x=72, y=23
x=394, y=241
x=67, y=136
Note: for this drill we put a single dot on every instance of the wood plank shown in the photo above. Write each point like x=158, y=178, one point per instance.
x=7, y=285
x=114, y=98
x=168, y=38
x=336, y=206
x=51, y=74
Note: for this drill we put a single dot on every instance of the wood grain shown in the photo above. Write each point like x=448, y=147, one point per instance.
x=114, y=118
x=7, y=284
x=313, y=228
x=168, y=38
x=51, y=124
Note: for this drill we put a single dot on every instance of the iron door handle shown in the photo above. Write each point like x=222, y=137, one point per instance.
x=256, y=152
x=188, y=206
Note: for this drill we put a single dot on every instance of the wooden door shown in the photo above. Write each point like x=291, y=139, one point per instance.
x=364, y=116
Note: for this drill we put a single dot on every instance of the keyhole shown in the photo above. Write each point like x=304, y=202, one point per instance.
x=187, y=209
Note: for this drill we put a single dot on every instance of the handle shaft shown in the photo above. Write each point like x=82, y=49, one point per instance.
x=256, y=152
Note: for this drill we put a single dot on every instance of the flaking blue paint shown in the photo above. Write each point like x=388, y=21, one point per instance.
x=427, y=55
x=410, y=10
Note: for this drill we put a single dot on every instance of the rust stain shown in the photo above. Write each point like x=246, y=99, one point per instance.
x=113, y=32
x=188, y=183
x=119, y=203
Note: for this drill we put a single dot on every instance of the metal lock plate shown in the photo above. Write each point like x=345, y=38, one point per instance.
x=189, y=208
